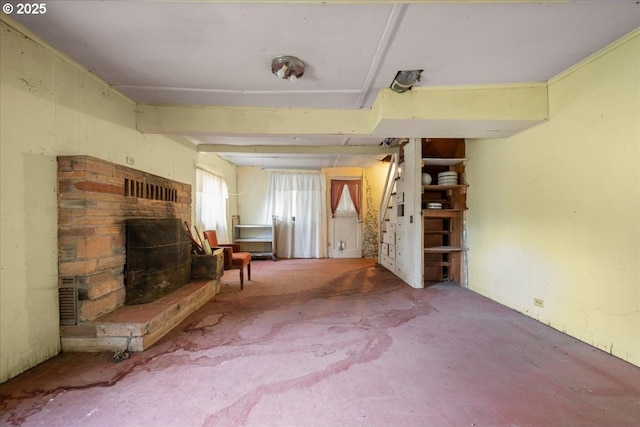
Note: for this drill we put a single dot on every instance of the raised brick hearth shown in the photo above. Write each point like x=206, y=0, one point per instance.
x=95, y=198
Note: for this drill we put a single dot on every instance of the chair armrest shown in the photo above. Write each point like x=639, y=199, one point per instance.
x=234, y=246
x=228, y=255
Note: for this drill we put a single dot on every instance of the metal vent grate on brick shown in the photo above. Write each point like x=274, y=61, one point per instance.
x=145, y=190
x=67, y=301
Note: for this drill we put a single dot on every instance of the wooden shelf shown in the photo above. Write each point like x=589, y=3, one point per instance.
x=436, y=161
x=443, y=249
x=437, y=263
x=436, y=187
x=440, y=213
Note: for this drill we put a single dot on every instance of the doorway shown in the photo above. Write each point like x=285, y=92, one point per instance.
x=345, y=226
x=298, y=202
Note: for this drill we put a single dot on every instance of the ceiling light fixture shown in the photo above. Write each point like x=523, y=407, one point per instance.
x=404, y=80
x=287, y=67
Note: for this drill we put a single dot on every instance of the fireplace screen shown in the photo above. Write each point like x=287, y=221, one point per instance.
x=158, y=259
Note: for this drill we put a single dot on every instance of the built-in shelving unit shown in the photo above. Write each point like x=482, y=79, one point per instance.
x=420, y=242
x=442, y=228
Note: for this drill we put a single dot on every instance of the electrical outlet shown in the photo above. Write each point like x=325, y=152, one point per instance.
x=131, y=160
x=538, y=302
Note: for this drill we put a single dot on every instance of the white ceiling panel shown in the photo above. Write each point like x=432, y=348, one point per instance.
x=478, y=43
x=219, y=53
x=215, y=46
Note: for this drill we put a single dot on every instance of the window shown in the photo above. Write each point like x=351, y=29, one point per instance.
x=346, y=196
x=345, y=205
x=211, y=203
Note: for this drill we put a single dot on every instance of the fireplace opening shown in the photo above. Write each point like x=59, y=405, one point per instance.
x=158, y=258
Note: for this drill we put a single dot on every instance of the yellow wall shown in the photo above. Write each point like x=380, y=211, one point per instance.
x=49, y=107
x=375, y=176
x=554, y=212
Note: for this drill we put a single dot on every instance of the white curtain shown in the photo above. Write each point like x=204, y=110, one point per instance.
x=298, y=201
x=211, y=204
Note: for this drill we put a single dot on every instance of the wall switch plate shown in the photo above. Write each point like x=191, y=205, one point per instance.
x=538, y=302
x=131, y=160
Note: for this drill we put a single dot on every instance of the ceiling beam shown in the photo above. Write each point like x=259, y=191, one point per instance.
x=297, y=149
x=515, y=101
x=510, y=107
x=389, y=32
x=220, y=120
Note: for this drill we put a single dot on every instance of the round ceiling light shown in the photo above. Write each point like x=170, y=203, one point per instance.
x=287, y=67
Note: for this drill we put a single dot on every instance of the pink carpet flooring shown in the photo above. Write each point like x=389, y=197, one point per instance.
x=336, y=343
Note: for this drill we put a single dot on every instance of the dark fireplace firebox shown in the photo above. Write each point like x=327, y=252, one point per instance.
x=158, y=259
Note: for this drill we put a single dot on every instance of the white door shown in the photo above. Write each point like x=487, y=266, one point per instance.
x=346, y=241
x=345, y=229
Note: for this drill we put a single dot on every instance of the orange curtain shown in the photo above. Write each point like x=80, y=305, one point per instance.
x=353, y=186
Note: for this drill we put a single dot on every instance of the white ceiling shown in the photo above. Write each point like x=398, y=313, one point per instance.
x=219, y=53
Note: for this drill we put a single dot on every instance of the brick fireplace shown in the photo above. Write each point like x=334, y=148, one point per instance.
x=95, y=199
